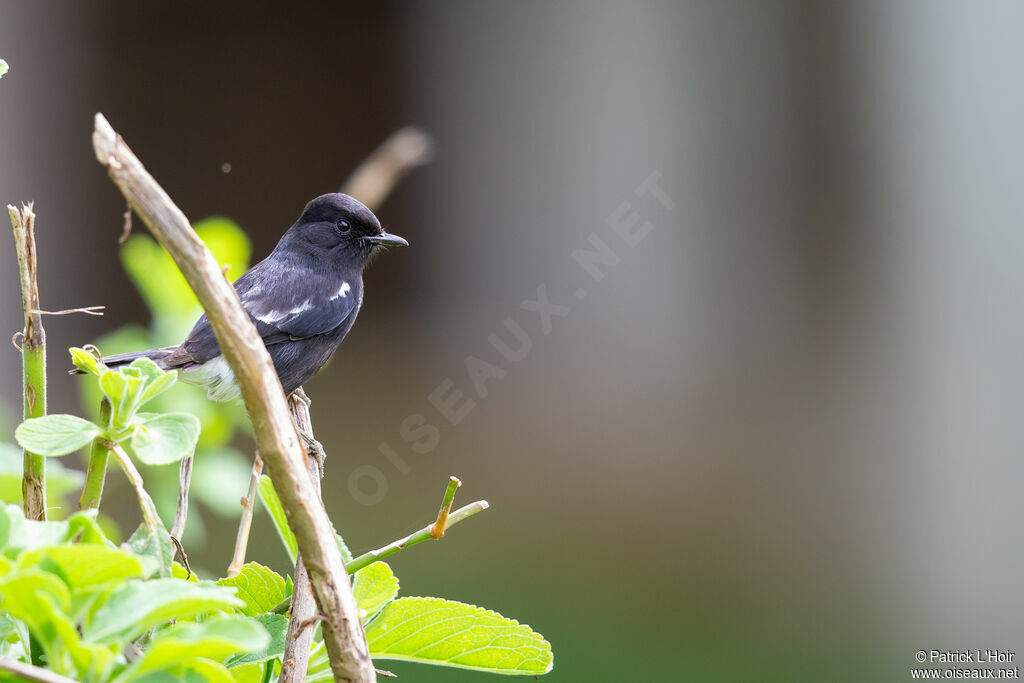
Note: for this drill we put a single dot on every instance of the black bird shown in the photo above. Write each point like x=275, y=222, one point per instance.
x=303, y=298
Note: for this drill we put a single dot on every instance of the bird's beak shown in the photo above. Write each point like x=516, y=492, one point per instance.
x=387, y=239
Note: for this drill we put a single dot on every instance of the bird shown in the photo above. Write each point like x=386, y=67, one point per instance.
x=303, y=298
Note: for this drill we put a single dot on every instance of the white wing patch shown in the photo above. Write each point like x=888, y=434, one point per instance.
x=277, y=316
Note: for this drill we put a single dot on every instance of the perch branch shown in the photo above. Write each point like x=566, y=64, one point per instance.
x=303, y=611
x=373, y=180
x=33, y=355
x=245, y=522
x=276, y=438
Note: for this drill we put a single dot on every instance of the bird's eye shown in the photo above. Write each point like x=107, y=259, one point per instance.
x=343, y=225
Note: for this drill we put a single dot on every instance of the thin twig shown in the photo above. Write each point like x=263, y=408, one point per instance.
x=373, y=180
x=245, y=522
x=184, y=483
x=299, y=637
x=32, y=673
x=183, y=556
x=276, y=438
x=424, y=534
x=33, y=355
x=88, y=310
x=437, y=530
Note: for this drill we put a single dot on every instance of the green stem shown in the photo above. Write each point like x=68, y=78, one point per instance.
x=97, y=472
x=33, y=353
x=424, y=534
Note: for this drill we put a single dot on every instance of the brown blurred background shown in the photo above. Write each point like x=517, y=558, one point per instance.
x=777, y=441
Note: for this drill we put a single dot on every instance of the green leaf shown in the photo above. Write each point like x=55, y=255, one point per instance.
x=154, y=551
x=218, y=639
x=55, y=434
x=84, y=565
x=156, y=380
x=86, y=362
x=273, y=504
x=123, y=388
x=137, y=606
x=164, y=439
x=259, y=587
x=436, y=631
x=3, y=68
x=277, y=626
x=374, y=586
x=18, y=534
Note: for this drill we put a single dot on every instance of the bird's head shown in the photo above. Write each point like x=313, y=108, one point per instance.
x=341, y=229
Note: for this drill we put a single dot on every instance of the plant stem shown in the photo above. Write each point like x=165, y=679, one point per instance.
x=33, y=353
x=92, y=492
x=424, y=534
x=32, y=673
x=245, y=523
x=437, y=530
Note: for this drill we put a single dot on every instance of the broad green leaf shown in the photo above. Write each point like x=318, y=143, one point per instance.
x=84, y=565
x=188, y=671
x=155, y=552
x=41, y=601
x=86, y=362
x=55, y=434
x=217, y=639
x=18, y=533
x=155, y=379
x=248, y=673
x=273, y=504
x=374, y=586
x=436, y=631
x=259, y=587
x=277, y=626
x=137, y=606
x=164, y=439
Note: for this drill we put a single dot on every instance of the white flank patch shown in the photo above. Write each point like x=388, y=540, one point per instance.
x=345, y=289
x=216, y=377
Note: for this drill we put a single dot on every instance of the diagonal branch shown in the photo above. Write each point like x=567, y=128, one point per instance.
x=275, y=434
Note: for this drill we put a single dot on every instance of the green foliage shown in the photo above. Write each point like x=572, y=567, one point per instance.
x=67, y=591
x=60, y=481
x=156, y=439
x=436, y=631
x=76, y=603
x=3, y=68
x=260, y=588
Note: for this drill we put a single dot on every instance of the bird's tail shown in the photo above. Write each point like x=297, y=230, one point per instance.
x=120, y=359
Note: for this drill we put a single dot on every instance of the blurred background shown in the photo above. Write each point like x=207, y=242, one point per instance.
x=776, y=441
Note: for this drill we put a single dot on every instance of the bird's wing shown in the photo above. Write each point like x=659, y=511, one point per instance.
x=285, y=305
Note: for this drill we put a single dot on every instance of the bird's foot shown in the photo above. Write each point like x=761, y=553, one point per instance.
x=300, y=394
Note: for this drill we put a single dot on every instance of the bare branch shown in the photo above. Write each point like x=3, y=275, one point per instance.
x=33, y=355
x=245, y=522
x=184, y=483
x=32, y=673
x=373, y=180
x=275, y=434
